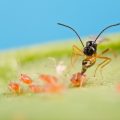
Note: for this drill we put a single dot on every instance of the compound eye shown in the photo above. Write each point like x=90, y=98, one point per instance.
x=90, y=51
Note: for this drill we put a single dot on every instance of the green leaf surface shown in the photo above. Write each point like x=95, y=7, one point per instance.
x=99, y=99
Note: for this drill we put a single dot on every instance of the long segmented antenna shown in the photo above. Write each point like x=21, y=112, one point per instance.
x=72, y=30
x=106, y=29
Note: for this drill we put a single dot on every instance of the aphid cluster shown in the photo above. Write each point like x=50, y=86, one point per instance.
x=45, y=84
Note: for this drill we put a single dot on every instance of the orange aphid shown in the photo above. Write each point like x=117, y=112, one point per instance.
x=52, y=85
x=25, y=79
x=48, y=79
x=118, y=87
x=78, y=79
x=36, y=88
x=53, y=89
x=14, y=87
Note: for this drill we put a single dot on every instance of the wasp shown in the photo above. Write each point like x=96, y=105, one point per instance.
x=90, y=51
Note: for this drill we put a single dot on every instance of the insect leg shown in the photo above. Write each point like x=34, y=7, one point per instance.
x=104, y=63
x=106, y=50
x=111, y=50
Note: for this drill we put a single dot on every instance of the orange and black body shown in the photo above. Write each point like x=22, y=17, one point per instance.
x=90, y=51
x=88, y=62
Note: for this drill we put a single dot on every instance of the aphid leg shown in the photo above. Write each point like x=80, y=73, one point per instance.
x=76, y=53
x=81, y=84
x=103, y=64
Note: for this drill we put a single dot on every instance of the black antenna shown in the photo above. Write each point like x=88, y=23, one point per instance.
x=106, y=29
x=74, y=31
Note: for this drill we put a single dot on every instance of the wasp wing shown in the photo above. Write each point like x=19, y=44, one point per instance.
x=99, y=40
x=76, y=53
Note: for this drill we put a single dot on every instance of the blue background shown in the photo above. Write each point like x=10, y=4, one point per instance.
x=27, y=22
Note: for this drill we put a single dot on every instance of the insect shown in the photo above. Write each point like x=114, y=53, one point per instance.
x=78, y=80
x=52, y=85
x=15, y=87
x=35, y=88
x=49, y=79
x=25, y=79
x=90, y=51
